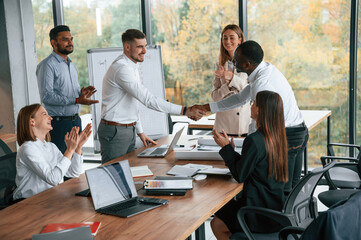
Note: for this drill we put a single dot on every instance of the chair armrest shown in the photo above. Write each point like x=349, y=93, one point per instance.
x=330, y=150
x=282, y=218
x=324, y=158
x=283, y=235
x=344, y=145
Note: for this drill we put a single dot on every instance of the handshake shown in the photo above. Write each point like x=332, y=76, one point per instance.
x=196, y=112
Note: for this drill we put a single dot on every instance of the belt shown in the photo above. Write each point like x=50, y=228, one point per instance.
x=298, y=125
x=118, y=124
x=66, y=118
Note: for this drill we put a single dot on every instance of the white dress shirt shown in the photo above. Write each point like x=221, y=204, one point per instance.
x=122, y=89
x=40, y=166
x=264, y=77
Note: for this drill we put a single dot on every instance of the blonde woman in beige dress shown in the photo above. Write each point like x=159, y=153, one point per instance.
x=227, y=81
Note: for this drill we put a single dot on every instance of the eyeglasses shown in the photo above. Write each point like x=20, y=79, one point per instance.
x=235, y=67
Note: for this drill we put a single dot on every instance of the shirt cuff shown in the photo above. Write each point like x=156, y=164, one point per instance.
x=214, y=107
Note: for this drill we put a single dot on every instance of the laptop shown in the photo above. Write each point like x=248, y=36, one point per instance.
x=161, y=151
x=113, y=191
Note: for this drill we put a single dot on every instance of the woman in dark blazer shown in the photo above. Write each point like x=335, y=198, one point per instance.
x=262, y=167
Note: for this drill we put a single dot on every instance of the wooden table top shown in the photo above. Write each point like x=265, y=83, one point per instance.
x=8, y=137
x=176, y=220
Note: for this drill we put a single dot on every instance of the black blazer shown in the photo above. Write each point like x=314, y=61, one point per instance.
x=251, y=168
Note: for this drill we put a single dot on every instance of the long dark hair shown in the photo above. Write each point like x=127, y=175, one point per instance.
x=271, y=123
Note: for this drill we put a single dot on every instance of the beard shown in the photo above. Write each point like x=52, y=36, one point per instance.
x=64, y=50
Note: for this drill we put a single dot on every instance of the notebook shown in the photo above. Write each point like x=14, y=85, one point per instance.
x=161, y=151
x=113, y=191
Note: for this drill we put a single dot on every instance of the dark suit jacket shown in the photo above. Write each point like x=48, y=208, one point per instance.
x=251, y=168
x=340, y=222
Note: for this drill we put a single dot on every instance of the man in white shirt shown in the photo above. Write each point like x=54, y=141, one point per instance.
x=122, y=89
x=262, y=75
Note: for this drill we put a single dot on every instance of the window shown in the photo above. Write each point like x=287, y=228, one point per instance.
x=189, y=34
x=43, y=22
x=98, y=24
x=308, y=41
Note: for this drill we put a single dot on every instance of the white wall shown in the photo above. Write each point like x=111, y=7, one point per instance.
x=18, y=85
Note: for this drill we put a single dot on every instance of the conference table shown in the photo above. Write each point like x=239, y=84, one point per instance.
x=311, y=117
x=182, y=216
x=8, y=137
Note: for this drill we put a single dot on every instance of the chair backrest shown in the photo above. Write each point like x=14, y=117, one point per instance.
x=7, y=178
x=4, y=149
x=301, y=202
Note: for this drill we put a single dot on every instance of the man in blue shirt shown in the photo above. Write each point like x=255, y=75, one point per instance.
x=59, y=88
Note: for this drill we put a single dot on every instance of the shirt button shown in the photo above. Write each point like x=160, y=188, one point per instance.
x=238, y=113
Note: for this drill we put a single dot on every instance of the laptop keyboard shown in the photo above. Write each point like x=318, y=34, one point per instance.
x=159, y=151
x=121, y=206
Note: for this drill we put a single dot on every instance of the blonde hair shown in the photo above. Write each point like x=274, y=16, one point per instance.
x=223, y=53
x=24, y=131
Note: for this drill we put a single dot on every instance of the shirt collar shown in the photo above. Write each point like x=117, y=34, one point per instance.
x=130, y=62
x=252, y=76
x=59, y=58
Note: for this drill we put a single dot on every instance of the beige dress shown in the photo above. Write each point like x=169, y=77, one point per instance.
x=235, y=121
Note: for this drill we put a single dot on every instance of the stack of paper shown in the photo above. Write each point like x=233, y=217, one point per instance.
x=141, y=171
x=238, y=142
x=192, y=169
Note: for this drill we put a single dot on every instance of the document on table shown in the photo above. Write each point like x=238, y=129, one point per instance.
x=141, y=171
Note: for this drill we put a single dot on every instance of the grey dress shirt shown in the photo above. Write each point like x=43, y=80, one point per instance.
x=58, y=85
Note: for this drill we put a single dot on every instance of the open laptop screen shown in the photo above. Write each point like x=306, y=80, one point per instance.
x=111, y=183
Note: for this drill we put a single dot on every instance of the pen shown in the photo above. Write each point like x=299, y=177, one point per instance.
x=192, y=139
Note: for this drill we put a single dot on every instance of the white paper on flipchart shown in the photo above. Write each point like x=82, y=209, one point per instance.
x=155, y=124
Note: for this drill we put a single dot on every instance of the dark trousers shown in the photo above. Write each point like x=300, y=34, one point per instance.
x=297, y=138
x=60, y=128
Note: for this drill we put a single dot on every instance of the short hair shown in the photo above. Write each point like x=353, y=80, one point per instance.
x=131, y=34
x=252, y=51
x=24, y=131
x=60, y=28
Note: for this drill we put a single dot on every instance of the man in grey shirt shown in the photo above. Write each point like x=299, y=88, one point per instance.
x=59, y=88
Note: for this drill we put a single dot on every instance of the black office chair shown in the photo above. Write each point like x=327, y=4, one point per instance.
x=7, y=179
x=300, y=208
x=4, y=149
x=342, y=221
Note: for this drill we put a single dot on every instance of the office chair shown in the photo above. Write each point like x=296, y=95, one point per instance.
x=343, y=179
x=331, y=225
x=4, y=149
x=7, y=179
x=300, y=208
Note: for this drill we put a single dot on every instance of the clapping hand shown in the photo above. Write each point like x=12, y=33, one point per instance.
x=222, y=138
x=83, y=137
x=71, y=140
x=222, y=73
x=86, y=93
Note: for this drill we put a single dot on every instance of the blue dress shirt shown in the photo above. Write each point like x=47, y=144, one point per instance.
x=58, y=85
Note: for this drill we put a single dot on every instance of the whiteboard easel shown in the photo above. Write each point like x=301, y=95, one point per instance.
x=155, y=124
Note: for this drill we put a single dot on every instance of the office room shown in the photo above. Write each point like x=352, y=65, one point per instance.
x=314, y=45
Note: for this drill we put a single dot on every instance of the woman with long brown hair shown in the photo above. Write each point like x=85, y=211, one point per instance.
x=228, y=81
x=262, y=167
x=39, y=163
